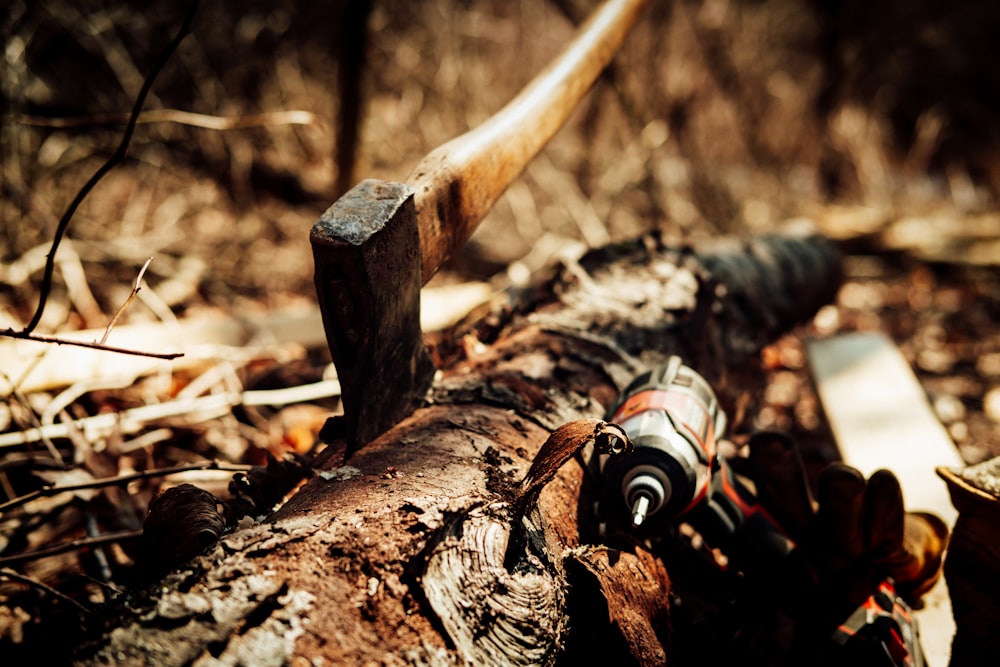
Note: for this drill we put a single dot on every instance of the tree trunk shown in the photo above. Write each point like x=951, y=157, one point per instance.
x=426, y=547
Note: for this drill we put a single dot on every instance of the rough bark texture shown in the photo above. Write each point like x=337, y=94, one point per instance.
x=425, y=548
x=972, y=567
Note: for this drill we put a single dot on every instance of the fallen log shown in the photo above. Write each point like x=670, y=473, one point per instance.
x=424, y=547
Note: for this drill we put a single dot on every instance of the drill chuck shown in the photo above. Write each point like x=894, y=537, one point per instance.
x=646, y=490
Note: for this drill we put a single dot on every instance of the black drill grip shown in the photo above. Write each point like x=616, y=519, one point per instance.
x=731, y=519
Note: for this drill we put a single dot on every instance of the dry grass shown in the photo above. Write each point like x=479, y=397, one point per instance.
x=711, y=119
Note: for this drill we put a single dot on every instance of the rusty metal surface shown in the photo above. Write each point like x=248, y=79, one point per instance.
x=366, y=248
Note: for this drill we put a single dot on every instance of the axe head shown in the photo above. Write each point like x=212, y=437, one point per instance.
x=366, y=249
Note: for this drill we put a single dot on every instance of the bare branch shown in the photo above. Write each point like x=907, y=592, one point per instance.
x=30, y=412
x=134, y=419
x=179, y=116
x=120, y=480
x=72, y=545
x=25, y=335
x=114, y=160
x=16, y=576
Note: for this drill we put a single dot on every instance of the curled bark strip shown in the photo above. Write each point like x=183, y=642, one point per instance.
x=565, y=442
x=612, y=439
x=558, y=448
x=492, y=615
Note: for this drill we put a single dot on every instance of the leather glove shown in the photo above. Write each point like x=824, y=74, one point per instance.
x=853, y=534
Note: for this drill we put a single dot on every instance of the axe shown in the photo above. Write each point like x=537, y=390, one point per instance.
x=382, y=241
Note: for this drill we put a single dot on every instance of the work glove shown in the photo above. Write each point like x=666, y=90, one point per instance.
x=852, y=535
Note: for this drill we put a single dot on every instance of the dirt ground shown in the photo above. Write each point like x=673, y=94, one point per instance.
x=878, y=125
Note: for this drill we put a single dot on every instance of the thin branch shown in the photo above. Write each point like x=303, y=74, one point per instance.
x=25, y=335
x=8, y=489
x=72, y=545
x=114, y=160
x=121, y=480
x=30, y=412
x=16, y=576
x=128, y=301
x=204, y=121
x=134, y=419
x=17, y=460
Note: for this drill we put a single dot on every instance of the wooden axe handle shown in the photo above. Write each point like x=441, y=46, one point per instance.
x=457, y=183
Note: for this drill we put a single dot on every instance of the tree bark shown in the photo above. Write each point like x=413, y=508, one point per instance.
x=432, y=545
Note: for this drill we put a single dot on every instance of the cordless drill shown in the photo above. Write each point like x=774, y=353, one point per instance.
x=673, y=418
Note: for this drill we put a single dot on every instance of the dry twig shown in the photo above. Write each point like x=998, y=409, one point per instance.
x=16, y=576
x=114, y=160
x=132, y=420
x=120, y=480
x=24, y=335
x=128, y=301
x=179, y=116
x=72, y=545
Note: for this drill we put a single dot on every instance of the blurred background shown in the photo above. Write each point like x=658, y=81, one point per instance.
x=878, y=122
x=717, y=116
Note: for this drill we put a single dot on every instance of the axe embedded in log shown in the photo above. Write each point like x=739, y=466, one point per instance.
x=379, y=243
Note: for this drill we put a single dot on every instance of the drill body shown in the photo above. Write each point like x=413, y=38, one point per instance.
x=673, y=418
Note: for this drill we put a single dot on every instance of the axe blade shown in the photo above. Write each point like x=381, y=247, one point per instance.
x=366, y=249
